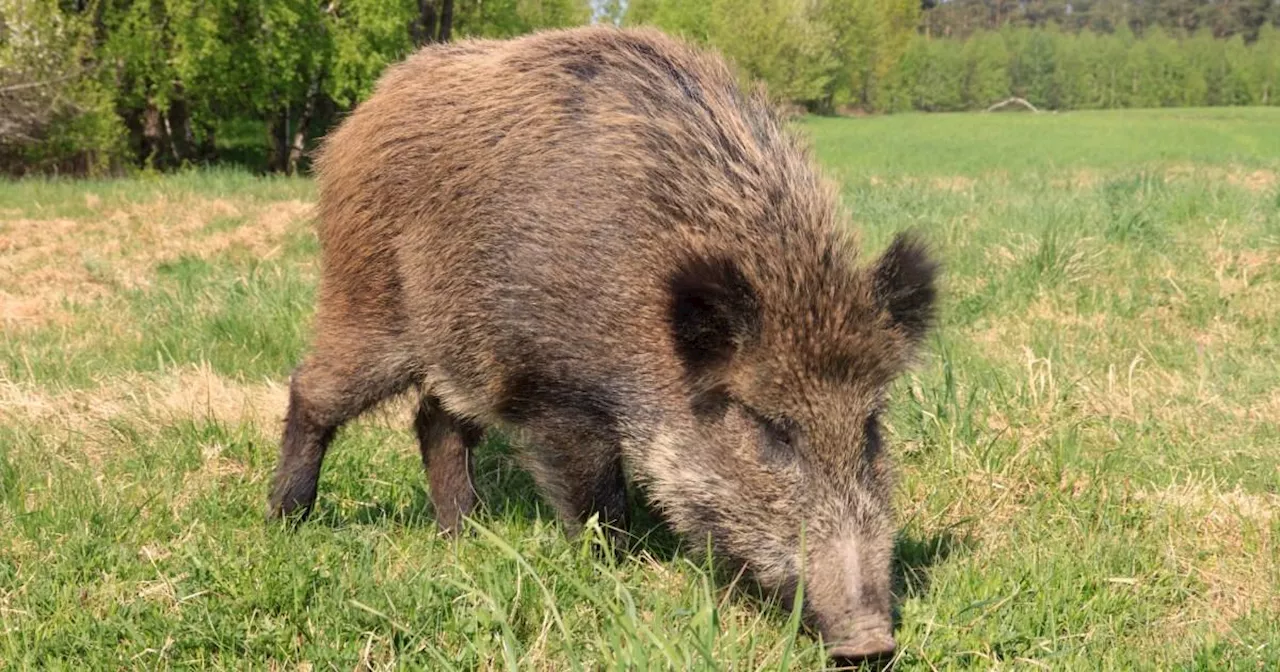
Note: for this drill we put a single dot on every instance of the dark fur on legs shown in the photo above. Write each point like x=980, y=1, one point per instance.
x=324, y=394
x=580, y=489
x=446, y=443
x=293, y=490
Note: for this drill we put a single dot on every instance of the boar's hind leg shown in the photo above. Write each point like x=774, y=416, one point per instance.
x=446, y=442
x=340, y=380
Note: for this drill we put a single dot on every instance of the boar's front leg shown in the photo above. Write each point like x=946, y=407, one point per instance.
x=446, y=443
x=581, y=474
x=574, y=451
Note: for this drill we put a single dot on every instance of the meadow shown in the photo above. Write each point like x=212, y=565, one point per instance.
x=1089, y=449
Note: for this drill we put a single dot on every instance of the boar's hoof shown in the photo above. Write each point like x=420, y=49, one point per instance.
x=289, y=509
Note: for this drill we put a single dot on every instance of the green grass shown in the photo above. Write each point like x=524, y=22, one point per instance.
x=1019, y=144
x=1088, y=451
x=72, y=198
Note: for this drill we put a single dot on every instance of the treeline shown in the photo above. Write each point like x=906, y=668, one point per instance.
x=874, y=56
x=821, y=54
x=1218, y=18
x=88, y=86
x=1063, y=71
x=93, y=85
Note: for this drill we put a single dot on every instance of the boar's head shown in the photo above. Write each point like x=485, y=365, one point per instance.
x=788, y=359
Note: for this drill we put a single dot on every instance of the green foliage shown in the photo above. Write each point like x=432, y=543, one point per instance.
x=897, y=92
x=54, y=114
x=879, y=63
x=1266, y=66
x=869, y=38
x=940, y=87
x=1075, y=79
x=367, y=35
x=961, y=18
x=821, y=53
x=508, y=18
x=782, y=43
x=87, y=140
x=169, y=83
x=776, y=41
x=1155, y=72
x=986, y=62
x=166, y=75
x=1065, y=71
x=690, y=20
x=1031, y=72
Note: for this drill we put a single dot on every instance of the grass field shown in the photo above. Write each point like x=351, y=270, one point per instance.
x=1089, y=451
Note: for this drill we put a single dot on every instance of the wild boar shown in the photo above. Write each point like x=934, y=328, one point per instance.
x=598, y=240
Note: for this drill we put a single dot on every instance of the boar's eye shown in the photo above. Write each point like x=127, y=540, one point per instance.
x=779, y=436
x=780, y=432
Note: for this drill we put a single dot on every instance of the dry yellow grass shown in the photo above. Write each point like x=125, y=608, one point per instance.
x=45, y=263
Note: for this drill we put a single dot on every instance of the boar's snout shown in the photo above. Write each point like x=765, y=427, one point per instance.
x=863, y=647
x=848, y=598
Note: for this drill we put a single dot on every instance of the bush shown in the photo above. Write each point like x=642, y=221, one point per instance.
x=56, y=116
x=986, y=62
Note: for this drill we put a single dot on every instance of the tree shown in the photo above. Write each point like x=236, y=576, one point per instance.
x=1156, y=71
x=868, y=37
x=434, y=22
x=1108, y=66
x=1074, y=82
x=1033, y=65
x=508, y=18
x=691, y=20
x=778, y=42
x=1238, y=78
x=1222, y=18
x=1204, y=58
x=1266, y=65
x=896, y=92
x=940, y=87
x=986, y=70
x=54, y=114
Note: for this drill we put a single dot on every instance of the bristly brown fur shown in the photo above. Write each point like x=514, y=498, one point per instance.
x=595, y=238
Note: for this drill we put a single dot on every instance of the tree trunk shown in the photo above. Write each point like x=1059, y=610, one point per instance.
x=182, y=139
x=304, y=120
x=278, y=155
x=424, y=28
x=208, y=148
x=173, y=144
x=155, y=141
x=446, y=21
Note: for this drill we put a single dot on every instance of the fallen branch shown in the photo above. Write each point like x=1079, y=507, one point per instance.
x=1013, y=101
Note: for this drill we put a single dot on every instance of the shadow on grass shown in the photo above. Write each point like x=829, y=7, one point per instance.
x=505, y=492
x=508, y=492
x=915, y=558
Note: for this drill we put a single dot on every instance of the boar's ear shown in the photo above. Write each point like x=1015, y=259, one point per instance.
x=904, y=285
x=714, y=310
